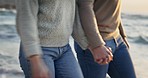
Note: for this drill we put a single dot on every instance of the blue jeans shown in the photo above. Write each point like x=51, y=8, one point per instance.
x=60, y=62
x=120, y=67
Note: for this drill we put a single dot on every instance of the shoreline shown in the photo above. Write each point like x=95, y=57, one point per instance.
x=8, y=4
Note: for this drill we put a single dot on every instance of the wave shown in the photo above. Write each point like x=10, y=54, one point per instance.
x=7, y=59
x=8, y=32
x=7, y=12
x=139, y=40
x=11, y=71
x=8, y=64
x=134, y=16
x=7, y=17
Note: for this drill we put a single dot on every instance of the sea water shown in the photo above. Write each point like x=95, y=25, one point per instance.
x=136, y=27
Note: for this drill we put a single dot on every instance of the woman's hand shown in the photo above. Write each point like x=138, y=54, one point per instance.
x=102, y=55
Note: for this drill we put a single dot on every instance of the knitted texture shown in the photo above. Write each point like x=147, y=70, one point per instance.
x=47, y=23
x=55, y=21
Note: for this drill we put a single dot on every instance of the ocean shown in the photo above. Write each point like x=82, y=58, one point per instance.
x=136, y=26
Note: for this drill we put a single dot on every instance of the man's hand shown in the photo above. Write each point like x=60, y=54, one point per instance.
x=102, y=54
x=38, y=67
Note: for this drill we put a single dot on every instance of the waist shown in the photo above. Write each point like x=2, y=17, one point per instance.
x=111, y=35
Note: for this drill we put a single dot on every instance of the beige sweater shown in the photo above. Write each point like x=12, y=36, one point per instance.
x=100, y=19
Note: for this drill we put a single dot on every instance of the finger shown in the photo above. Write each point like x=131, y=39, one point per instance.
x=110, y=53
x=109, y=58
x=110, y=49
x=99, y=61
x=105, y=61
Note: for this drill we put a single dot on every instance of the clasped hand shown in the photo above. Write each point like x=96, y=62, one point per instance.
x=102, y=54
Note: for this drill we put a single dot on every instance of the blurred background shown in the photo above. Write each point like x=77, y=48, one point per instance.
x=134, y=17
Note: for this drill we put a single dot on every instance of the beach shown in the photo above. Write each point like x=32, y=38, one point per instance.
x=9, y=4
x=136, y=27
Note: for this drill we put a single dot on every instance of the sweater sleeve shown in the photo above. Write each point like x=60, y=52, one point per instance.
x=26, y=24
x=89, y=23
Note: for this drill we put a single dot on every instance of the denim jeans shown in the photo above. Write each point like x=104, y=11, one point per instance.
x=60, y=62
x=120, y=67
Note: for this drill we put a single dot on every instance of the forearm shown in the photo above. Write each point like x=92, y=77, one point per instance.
x=89, y=23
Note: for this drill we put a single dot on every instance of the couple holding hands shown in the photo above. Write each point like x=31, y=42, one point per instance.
x=44, y=27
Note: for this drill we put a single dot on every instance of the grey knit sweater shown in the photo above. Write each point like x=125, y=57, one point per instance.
x=47, y=23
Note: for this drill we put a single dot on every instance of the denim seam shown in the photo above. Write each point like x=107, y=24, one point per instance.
x=116, y=69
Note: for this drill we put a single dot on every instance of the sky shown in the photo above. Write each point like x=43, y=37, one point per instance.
x=135, y=6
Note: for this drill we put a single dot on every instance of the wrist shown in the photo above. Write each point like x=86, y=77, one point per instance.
x=34, y=58
x=92, y=49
